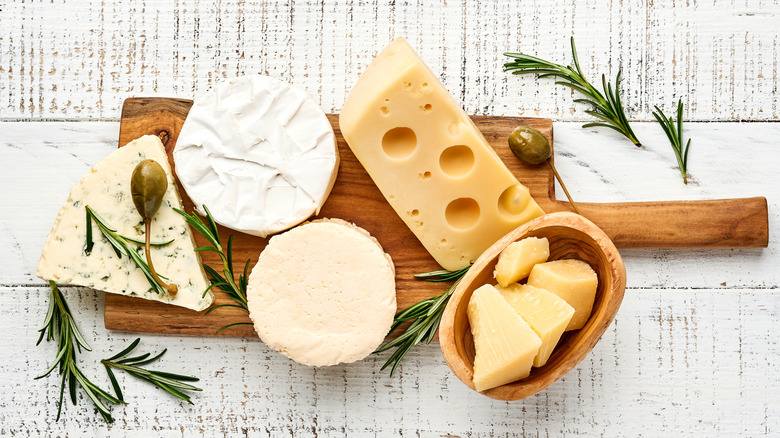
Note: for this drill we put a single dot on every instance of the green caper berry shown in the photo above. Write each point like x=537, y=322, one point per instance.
x=147, y=186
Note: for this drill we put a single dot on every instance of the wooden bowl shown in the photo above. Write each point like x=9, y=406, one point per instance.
x=571, y=236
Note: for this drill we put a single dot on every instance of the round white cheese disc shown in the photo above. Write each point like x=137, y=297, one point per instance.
x=259, y=153
x=323, y=293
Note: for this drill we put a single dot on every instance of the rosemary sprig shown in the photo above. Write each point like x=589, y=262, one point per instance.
x=59, y=325
x=225, y=281
x=169, y=382
x=121, y=246
x=673, y=131
x=606, y=106
x=141, y=242
x=424, y=316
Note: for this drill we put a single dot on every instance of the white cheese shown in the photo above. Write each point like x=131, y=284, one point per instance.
x=323, y=293
x=259, y=153
x=106, y=189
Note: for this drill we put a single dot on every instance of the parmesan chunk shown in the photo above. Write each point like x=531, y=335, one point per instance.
x=547, y=314
x=505, y=344
x=515, y=262
x=574, y=281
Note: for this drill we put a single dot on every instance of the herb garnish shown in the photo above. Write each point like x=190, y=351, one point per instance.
x=59, y=325
x=121, y=246
x=607, y=106
x=424, y=316
x=673, y=131
x=226, y=280
x=169, y=382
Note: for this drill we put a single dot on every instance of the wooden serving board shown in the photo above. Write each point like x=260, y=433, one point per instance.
x=728, y=223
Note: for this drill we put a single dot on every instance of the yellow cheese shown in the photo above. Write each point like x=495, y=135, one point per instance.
x=547, y=314
x=429, y=160
x=572, y=280
x=505, y=344
x=516, y=261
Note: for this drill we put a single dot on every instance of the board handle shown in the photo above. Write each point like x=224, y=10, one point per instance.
x=719, y=223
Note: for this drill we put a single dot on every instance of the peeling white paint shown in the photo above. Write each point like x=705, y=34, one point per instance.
x=81, y=58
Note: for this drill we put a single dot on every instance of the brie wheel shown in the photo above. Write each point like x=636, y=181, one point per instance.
x=259, y=153
x=323, y=293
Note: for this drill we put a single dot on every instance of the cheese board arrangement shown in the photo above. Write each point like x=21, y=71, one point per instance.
x=250, y=212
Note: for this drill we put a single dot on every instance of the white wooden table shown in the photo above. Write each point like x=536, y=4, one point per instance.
x=693, y=350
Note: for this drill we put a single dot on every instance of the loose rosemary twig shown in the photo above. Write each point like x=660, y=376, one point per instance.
x=607, y=106
x=424, y=316
x=673, y=131
x=121, y=246
x=225, y=281
x=169, y=382
x=59, y=325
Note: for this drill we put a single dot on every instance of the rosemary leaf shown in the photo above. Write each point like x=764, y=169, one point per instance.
x=126, y=350
x=114, y=383
x=219, y=330
x=141, y=242
x=606, y=104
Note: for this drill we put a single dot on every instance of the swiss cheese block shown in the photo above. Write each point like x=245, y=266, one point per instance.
x=515, y=262
x=429, y=160
x=574, y=281
x=547, y=314
x=323, y=293
x=505, y=344
x=259, y=153
x=106, y=189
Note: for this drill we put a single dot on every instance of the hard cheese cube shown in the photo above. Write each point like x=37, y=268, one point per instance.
x=516, y=261
x=429, y=160
x=572, y=280
x=547, y=314
x=505, y=344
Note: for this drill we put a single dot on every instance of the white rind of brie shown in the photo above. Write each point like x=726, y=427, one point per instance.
x=106, y=189
x=259, y=153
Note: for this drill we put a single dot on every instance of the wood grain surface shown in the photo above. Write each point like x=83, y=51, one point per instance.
x=673, y=224
x=354, y=197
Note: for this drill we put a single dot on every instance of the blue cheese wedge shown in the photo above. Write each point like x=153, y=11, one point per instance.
x=106, y=189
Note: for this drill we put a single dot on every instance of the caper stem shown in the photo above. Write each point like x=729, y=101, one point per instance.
x=558, y=177
x=171, y=288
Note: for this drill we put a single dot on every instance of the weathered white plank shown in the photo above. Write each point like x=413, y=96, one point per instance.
x=720, y=57
x=688, y=363
x=49, y=157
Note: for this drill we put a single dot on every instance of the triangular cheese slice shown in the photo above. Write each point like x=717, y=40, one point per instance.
x=547, y=313
x=106, y=189
x=505, y=344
